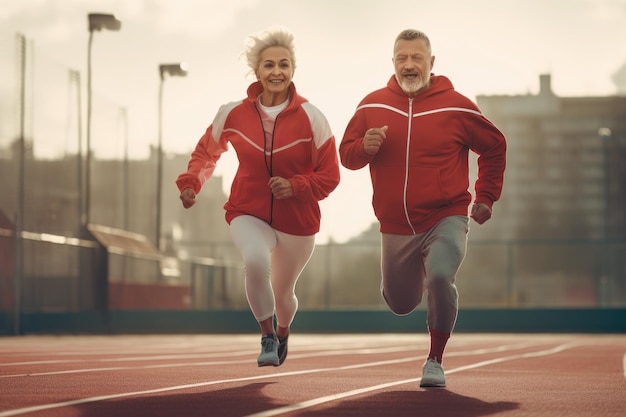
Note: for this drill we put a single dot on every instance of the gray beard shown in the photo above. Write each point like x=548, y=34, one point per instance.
x=413, y=87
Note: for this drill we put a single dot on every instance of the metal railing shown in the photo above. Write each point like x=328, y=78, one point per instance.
x=67, y=274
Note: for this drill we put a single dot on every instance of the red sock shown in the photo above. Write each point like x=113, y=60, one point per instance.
x=438, y=342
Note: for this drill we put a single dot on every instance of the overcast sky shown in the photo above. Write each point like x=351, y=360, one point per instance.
x=343, y=51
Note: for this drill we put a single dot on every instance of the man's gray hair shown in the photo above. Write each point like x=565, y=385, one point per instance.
x=411, y=34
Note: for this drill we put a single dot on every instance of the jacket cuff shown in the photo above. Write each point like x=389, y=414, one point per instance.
x=484, y=200
x=183, y=183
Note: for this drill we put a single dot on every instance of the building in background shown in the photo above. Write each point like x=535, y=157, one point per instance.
x=565, y=176
x=562, y=214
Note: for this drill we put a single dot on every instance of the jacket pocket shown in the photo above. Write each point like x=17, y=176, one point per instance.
x=425, y=190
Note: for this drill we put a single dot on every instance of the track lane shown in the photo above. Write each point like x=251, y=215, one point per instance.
x=352, y=363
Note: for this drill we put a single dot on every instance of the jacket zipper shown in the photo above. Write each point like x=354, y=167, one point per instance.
x=269, y=167
x=406, y=165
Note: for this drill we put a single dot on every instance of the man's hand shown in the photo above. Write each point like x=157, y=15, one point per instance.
x=480, y=213
x=188, y=197
x=373, y=139
x=281, y=187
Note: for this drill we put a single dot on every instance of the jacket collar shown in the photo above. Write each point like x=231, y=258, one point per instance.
x=256, y=89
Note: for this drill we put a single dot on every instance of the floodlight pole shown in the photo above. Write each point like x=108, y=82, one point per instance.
x=96, y=21
x=176, y=70
x=85, y=219
x=606, y=283
x=19, y=226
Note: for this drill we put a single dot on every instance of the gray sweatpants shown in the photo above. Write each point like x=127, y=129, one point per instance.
x=426, y=261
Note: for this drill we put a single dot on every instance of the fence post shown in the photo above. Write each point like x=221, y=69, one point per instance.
x=19, y=222
x=510, y=275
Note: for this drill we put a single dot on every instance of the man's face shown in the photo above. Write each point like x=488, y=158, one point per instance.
x=413, y=64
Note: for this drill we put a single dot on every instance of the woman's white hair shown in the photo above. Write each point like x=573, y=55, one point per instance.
x=258, y=42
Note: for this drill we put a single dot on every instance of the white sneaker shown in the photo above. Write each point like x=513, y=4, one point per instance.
x=432, y=374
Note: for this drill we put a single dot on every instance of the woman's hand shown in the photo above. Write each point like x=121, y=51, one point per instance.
x=281, y=188
x=188, y=197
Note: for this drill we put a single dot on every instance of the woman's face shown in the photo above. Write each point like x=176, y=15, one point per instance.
x=275, y=72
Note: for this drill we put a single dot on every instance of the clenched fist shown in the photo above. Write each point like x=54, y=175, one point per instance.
x=373, y=139
x=480, y=213
x=188, y=197
x=281, y=187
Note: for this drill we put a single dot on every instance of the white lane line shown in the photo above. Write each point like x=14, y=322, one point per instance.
x=204, y=363
x=43, y=407
x=133, y=358
x=127, y=368
x=321, y=400
x=86, y=347
x=292, y=356
x=154, y=357
x=19, y=411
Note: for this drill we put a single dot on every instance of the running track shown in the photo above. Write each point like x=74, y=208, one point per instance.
x=361, y=375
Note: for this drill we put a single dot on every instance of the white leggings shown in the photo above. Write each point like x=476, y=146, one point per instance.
x=429, y=260
x=273, y=262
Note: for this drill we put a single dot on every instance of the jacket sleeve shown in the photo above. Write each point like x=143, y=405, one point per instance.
x=325, y=176
x=202, y=162
x=351, y=150
x=490, y=145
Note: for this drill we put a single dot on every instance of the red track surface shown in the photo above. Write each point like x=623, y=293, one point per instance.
x=324, y=375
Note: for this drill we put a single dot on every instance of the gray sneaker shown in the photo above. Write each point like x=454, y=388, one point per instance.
x=269, y=351
x=282, y=349
x=432, y=374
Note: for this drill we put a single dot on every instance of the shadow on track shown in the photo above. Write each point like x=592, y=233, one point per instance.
x=432, y=402
x=230, y=402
